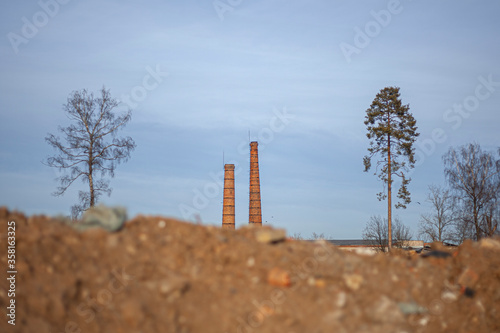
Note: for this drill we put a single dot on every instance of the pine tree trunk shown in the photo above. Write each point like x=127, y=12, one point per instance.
x=389, y=195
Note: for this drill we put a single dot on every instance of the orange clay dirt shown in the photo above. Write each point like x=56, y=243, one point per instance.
x=163, y=275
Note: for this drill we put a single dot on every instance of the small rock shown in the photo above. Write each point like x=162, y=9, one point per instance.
x=131, y=249
x=468, y=278
x=424, y=321
x=385, y=311
x=320, y=283
x=278, y=277
x=264, y=309
x=449, y=296
x=490, y=243
x=353, y=281
x=169, y=285
x=270, y=235
x=251, y=262
x=467, y=292
x=313, y=282
x=408, y=308
x=161, y=224
x=110, y=219
x=480, y=306
x=341, y=299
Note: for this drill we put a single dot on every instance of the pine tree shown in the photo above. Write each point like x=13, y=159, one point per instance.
x=392, y=132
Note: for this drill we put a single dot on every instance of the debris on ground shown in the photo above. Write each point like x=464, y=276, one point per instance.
x=154, y=274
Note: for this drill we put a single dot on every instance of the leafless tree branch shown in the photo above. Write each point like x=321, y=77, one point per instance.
x=85, y=150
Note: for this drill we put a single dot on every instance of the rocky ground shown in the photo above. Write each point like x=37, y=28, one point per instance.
x=161, y=275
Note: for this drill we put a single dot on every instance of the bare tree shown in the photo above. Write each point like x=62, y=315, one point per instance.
x=316, y=236
x=297, y=236
x=376, y=233
x=437, y=226
x=463, y=226
x=90, y=146
x=474, y=177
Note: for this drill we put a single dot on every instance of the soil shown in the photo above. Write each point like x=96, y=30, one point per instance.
x=162, y=275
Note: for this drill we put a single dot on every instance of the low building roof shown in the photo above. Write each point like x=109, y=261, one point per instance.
x=350, y=242
x=368, y=243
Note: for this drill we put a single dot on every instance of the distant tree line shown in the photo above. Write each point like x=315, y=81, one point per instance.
x=468, y=206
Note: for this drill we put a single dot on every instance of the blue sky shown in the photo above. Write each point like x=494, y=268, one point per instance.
x=200, y=75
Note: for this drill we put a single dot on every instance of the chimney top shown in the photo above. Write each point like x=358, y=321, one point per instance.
x=228, y=166
x=254, y=143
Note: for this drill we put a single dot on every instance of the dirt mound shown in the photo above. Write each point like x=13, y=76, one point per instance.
x=162, y=275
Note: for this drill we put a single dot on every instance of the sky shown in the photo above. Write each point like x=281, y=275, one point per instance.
x=203, y=78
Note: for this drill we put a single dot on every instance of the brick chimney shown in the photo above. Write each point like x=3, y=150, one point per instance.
x=228, y=205
x=255, y=213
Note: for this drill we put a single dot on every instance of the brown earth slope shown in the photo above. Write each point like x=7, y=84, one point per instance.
x=162, y=275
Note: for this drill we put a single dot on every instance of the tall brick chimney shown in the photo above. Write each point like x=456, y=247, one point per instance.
x=228, y=204
x=255, y=213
